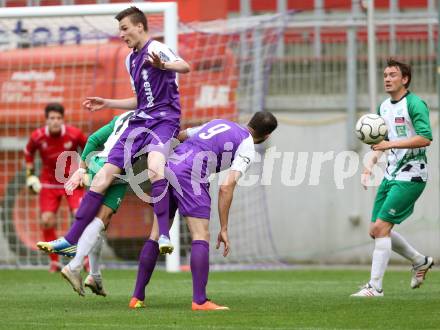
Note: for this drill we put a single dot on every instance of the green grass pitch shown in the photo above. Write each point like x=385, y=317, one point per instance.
x=293, y=299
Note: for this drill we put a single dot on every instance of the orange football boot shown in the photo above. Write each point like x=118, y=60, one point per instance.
x=208, y=306
x=136, y=303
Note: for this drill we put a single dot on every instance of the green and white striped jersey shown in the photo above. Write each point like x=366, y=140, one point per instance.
x=406, y=118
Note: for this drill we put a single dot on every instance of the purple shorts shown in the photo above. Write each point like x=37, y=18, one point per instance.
x=195, y=200
x=140, y=137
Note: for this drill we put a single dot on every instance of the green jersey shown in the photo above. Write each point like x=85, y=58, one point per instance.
x=100, y=143
x=406, y=118
x=105, y=138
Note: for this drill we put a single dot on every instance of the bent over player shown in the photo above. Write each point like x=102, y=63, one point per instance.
x=213, y=147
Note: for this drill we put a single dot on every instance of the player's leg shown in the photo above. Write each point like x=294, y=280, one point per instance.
x=402, y=206
x=158, y=145
x=73, y=201
x=86, y=212
x=199, y=229
x=147, y=263
x=199, y=262
x=161, y=200
x=93, y=281
x=421, y=263
x=49, y=203
x=92, y=201
x=90, y=237
x=379, y=231
x=113, y=198
x=402, y=247
x=72, y=271
x=196, y=208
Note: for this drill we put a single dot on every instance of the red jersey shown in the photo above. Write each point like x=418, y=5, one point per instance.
x=50, y=147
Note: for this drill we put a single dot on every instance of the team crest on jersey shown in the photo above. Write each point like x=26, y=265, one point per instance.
x=399, y=120
x=68, y=145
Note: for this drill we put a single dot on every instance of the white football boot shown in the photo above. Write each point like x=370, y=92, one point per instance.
x=94, y=283
x=74, y=278
x=368, y=291
x=419, y=273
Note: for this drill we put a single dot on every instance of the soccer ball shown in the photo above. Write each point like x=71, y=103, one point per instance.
x=371, y=129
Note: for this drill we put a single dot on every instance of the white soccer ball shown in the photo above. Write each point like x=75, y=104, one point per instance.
x=371, y=128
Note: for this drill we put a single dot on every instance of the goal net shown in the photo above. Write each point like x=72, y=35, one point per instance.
x=63, y=54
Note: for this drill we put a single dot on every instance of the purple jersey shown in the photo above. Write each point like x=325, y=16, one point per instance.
x=218, y=145
x=156, y=90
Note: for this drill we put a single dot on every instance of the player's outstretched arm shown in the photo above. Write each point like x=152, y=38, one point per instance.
x=179, y=65
x=410, y=143
x=94, y=103
x=94, y=143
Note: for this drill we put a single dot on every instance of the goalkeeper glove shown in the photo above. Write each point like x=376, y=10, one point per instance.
x=32, y=182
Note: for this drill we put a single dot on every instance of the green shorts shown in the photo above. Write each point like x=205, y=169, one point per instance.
x=115, y=193
x=395, y=200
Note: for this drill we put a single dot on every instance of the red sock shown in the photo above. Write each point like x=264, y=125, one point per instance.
x=49, y=234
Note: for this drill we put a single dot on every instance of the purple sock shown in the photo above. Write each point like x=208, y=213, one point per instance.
x=200, y=270
x=147, y=262
x=88, y=208
x=162, y=207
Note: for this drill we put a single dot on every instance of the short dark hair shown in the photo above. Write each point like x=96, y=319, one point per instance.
x=404, y=68
x=54, y=107
x=136, y=16
x=263, y=123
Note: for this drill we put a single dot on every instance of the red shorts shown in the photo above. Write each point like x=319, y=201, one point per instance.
x=50, y=199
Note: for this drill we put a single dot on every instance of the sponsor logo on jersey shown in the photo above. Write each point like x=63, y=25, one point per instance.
x=68, y=145
x=147, y=89
x=392, y=212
